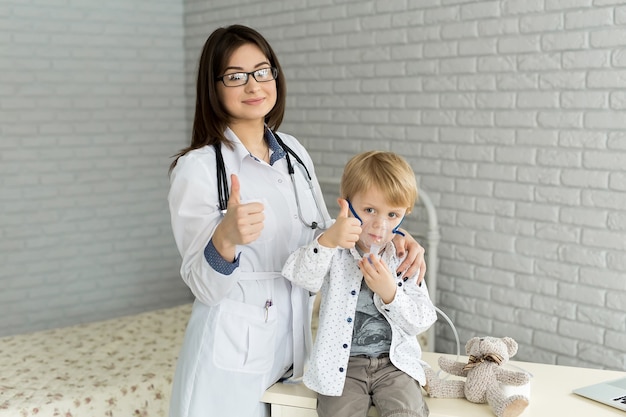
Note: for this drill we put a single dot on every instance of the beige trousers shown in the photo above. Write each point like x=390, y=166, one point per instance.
x=377, y=381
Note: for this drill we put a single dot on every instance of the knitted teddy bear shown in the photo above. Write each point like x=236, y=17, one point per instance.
x=483, y=376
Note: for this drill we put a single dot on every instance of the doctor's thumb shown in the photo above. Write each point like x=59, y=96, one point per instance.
x=234, y=199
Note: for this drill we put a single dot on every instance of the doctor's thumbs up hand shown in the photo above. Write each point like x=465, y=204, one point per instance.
x=242, y=223
x=344, y=232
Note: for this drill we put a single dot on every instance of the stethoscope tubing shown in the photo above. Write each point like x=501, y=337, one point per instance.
x=314, y=224
x=222, y=182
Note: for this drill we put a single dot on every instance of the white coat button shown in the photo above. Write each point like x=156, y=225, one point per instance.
x=280, y=180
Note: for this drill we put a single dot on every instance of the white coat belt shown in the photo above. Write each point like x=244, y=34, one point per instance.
x=258, y=276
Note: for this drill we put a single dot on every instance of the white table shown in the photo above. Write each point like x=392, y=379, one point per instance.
x=551, y=395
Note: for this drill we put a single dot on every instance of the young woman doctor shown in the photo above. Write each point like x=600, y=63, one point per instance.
x=237, y=214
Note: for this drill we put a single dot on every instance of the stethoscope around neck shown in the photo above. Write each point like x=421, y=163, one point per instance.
x=222, y=181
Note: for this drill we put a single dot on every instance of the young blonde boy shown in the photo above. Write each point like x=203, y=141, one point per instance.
x=366, y=350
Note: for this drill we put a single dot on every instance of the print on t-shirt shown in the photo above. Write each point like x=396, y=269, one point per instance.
x=371, y=335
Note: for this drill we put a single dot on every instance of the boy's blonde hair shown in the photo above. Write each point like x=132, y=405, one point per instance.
x=387, y=171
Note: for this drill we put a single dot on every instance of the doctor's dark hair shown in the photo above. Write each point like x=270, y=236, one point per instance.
x=386, y=171
x=211, y=118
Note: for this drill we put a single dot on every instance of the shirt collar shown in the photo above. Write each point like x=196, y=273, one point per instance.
x=277, y=151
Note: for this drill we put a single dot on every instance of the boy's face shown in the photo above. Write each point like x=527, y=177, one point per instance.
x=378, y=216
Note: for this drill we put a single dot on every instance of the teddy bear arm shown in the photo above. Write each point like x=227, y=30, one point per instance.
x=512, y=377
x=440, y=388
x=452, y=367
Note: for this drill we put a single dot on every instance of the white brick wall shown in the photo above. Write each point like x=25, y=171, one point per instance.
x=91, y=107
x=512, y=113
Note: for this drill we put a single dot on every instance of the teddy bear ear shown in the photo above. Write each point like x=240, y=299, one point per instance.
x=511, y=345
x=470, y=343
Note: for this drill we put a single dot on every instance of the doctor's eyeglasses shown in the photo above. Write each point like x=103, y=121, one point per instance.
x=236, y=79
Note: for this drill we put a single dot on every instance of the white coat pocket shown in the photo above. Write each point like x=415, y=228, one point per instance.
x=245, y=337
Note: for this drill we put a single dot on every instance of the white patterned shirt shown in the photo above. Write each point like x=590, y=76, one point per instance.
x=336, y=273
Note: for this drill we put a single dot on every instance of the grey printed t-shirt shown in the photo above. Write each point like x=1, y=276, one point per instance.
x=371, y=335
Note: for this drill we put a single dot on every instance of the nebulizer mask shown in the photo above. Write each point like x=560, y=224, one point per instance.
x=374, y=235
x=376, y=231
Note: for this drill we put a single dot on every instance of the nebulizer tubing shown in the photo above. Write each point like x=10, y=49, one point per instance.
x=456, y=334
x=374, y=249
x=456, y=337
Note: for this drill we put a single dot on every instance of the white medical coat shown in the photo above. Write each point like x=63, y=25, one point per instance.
x=235, y=348
x=337, y=274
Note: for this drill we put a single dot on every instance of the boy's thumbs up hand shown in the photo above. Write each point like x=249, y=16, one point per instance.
x=344, y=232
x=344, y=209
